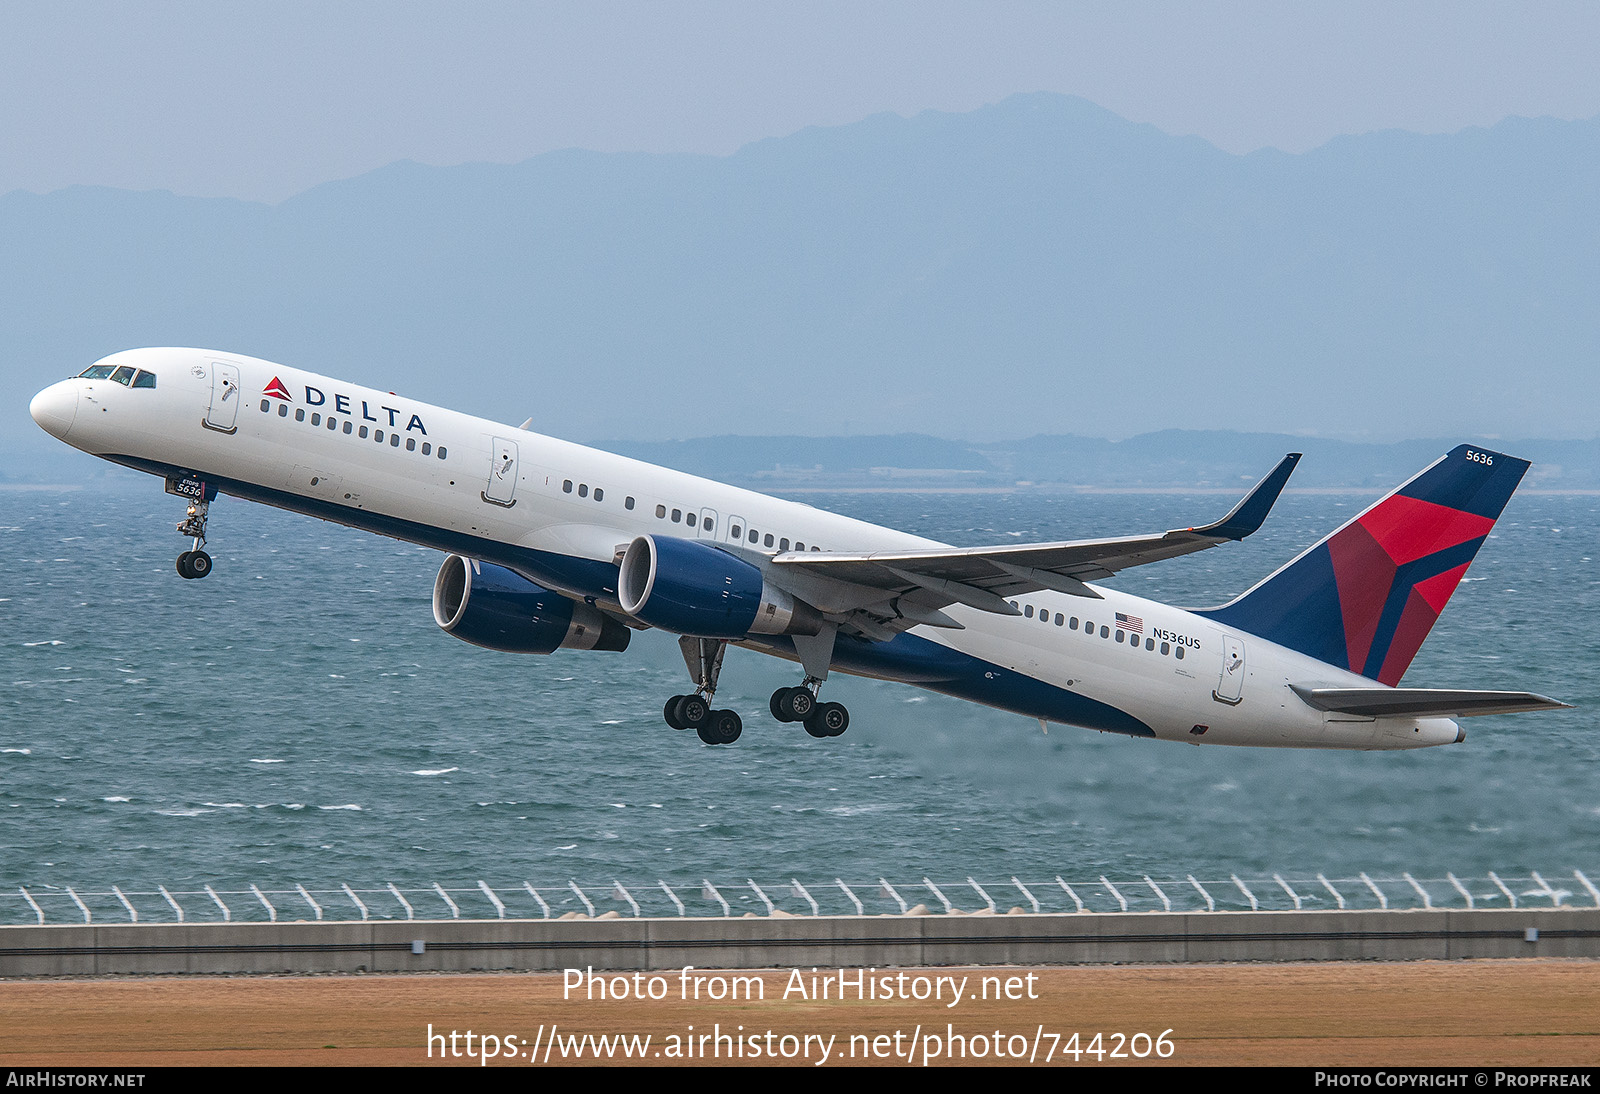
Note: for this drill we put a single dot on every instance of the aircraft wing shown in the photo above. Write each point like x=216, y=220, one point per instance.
x=1423, y=702
x=982, y=577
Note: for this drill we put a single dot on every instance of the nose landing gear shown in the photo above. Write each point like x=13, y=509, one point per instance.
x=195, y=563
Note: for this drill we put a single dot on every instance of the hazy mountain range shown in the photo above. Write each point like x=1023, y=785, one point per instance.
x=1035, y=269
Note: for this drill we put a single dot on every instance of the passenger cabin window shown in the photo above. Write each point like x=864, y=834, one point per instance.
x=299, y=414
x=283, y=412
x=627, y=503
x=677, y=516
x=362, y=433
x=599, y=494
x=755, y=536
x=783, y=544
x=768, y=540
x=1028, y=611
x=411, y=444
x=426, y=446
x=394, y=440
x=736, y=532
x=661, y=511
x=689, y=520
x=316, y=419
x=583, y=490
x=709, y=524
x=566, y=487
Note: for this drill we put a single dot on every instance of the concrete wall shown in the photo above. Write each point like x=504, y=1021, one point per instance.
x=829, y=941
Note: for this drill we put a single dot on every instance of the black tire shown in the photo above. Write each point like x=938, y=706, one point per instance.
x=727, y=725
x=774, y=704
x=797, y=704
x=828, y=720
x=708, y=734
x=694, y=712
x=671, y=713
x=836, y=718
x=183, y=566
x=199, y=564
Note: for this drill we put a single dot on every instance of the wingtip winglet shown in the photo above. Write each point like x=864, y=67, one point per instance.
x=1252, y=510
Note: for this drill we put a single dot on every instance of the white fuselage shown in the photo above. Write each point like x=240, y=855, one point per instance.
x=482, y=485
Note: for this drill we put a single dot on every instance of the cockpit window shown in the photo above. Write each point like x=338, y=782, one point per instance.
x=144, y=379
x=97, y=372
x=123, y=376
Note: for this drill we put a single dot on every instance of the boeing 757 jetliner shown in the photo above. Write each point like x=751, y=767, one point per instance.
x=553, y=545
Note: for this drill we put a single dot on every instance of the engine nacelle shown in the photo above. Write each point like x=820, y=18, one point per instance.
x=694, y=588
x=499, y=609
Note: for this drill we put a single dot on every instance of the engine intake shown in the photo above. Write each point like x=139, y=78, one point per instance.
x=499, y=609
x=694, y=588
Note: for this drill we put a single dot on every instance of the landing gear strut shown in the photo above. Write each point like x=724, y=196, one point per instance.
x=693, y=711
x=195, y=562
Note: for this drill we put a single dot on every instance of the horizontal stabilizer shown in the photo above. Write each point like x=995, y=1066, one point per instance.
x=1423, y=702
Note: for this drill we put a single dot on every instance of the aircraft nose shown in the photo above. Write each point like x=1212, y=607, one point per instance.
x=55, y=407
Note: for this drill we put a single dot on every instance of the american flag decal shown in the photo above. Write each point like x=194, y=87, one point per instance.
x=1132, y=623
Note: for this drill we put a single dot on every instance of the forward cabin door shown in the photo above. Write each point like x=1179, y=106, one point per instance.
x=223, y=413
x=1230, y=685
x=502, y=488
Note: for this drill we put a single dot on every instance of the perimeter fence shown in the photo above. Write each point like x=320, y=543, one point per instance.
x=479, y=900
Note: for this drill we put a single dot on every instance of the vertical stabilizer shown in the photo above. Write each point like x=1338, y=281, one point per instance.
x=1366, y=596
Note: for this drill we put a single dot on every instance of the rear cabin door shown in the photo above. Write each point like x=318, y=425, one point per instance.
x=1230, y=685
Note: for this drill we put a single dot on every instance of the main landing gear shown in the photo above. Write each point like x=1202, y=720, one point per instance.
x=195, y=563
x=714, y=727
x=800, y=705
x=723, y=727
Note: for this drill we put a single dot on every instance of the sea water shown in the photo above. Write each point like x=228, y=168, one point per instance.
x=297, y=718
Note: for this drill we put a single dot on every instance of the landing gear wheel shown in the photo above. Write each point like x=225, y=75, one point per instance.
x=199, y=564
x=694, y=712
x=828, y=720
x=793, y=704
x=183, y=565
x=671, y=713
x=722, y=728
x=728, y=725
x=772, y=704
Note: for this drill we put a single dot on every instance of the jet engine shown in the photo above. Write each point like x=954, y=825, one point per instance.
x=693, y=588
x=499, y=609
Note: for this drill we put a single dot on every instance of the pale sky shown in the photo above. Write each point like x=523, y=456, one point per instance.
x=262, y=100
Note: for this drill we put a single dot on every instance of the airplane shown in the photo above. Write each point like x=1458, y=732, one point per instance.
x=553, y=545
